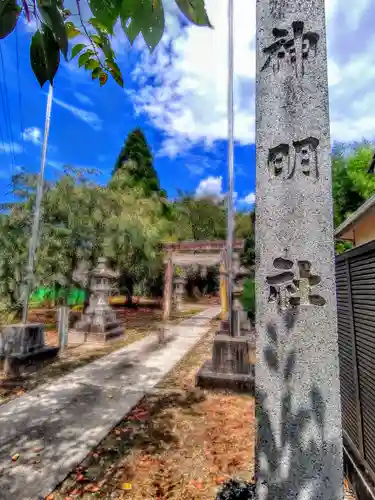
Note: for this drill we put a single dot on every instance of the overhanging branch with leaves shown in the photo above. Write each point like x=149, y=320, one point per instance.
x=55, y=29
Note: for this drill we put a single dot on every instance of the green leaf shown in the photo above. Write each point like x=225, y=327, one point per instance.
x=97, y=25
x=53, y=18
x=106, y=12
x=103, y=77
x=96, y=72
x=145, y=17
x=115, y=72
x=117, y=77
x=97, y=40
x=71, y=30
x=66, y=13
x=102, y=39
x=77, y=49
x=195, y=11
x=9, y=12
x=83, y=58
x=92, y=64
x=44, y=56
x=112, y=65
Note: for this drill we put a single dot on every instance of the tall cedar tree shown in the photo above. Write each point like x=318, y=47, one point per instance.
x=136, y=162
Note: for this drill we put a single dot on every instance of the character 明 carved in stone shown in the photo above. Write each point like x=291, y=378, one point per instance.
x=278, y=159
x=306, y=157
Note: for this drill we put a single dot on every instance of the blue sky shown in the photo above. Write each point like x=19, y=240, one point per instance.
x=178, y=97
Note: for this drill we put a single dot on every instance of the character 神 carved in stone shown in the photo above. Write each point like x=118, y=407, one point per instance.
x=291, y=51
x=289, y=289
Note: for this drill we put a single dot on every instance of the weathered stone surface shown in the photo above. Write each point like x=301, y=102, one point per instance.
x=21, y=344
x=231, y=366
x=21, y=339
x=299, y=452
x=100, y=321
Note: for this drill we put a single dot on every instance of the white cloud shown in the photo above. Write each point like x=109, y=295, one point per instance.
x=248, y=199
x=56, y=165
x=188, y=101
x=83, y=99
x=211, y=186
x=186, y=96
x=89, y=117
x=10, y=147
x=32, y=134
x=195, y=169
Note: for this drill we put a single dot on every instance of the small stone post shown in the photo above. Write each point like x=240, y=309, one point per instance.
x=299, y=448
x=167, y=300
x=63, y=326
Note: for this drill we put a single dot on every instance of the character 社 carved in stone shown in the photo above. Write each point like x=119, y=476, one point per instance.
x=278, y=159
x=306, y=157
x=290, y=289
x=292, y=50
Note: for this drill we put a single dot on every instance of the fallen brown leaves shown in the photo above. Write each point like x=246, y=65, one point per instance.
x=180, y=443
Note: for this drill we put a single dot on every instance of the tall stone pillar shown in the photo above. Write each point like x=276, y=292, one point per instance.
x=299, y=448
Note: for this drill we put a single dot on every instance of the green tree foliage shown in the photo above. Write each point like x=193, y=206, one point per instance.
x=245, y=229
x=134, y=166
x=199, y=218
x=352, y=185
x=81, y=221
x=57, y=26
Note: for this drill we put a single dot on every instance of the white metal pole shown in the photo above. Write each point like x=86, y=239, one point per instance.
x=37, y=210
x=230, y=228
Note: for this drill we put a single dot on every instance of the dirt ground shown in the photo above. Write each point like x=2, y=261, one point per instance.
x=173, y=444
x=138, y=323
x=178, y=443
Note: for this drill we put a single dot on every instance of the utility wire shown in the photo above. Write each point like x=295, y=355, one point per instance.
x=19, y=90
x=6, y=109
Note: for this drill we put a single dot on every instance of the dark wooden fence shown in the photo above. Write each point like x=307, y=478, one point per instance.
x=355, y=284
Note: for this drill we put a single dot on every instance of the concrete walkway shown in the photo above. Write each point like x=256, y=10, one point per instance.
x=55, y=426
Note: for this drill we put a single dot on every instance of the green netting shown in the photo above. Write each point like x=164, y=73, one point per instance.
x=76, y=296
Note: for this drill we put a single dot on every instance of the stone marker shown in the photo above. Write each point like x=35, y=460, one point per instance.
x=23, y=344
x=230, y=366
x=299, y=448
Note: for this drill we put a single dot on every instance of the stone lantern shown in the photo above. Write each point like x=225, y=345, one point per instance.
x=100, y=319
x=179, y=291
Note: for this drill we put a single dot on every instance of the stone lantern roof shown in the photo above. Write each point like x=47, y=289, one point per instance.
x=103, y=271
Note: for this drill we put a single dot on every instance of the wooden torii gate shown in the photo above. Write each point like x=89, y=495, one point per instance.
x=203, y=253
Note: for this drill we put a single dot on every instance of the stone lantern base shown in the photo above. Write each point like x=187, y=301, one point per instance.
x=232, y=365
x=100, y=326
